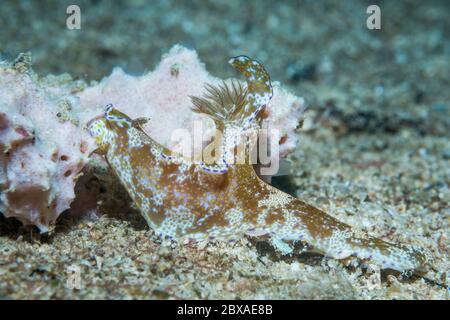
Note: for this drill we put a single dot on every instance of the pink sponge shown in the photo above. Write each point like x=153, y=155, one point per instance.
x=42, y=148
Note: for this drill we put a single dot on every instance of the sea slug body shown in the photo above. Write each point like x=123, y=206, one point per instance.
x=185, y=199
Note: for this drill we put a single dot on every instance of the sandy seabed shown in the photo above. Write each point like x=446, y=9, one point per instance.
x=374, y=151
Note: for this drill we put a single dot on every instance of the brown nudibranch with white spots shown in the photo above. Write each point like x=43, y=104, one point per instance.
x=187, y=199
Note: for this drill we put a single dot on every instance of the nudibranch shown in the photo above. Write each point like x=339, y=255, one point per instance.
x=188, y=200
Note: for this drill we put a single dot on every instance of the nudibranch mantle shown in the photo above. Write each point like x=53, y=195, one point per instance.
x=185, y=199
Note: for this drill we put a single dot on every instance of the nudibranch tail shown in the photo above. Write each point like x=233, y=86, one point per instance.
x=289, y=219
